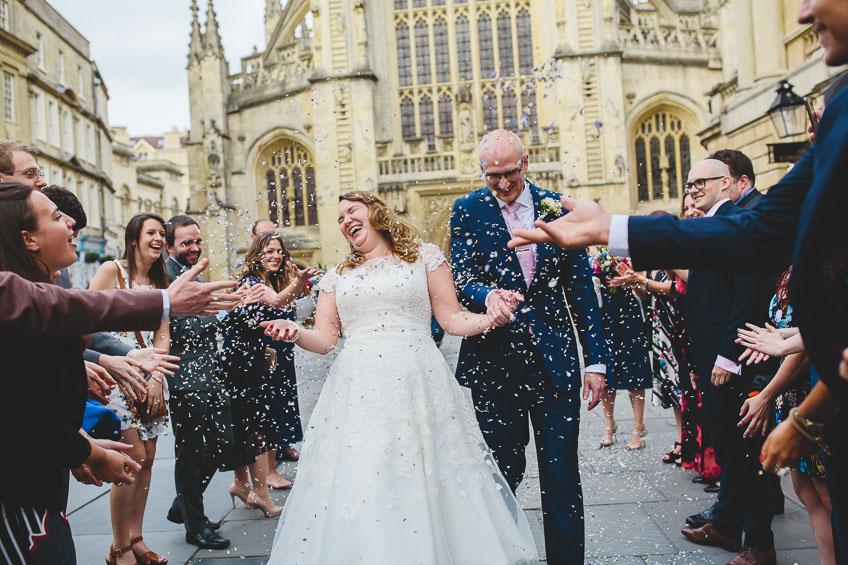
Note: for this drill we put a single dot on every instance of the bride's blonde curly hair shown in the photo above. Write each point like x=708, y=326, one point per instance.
x=401, y=235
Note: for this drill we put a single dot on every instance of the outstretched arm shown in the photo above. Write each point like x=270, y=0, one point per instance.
x=447, y=310
x=322, y=339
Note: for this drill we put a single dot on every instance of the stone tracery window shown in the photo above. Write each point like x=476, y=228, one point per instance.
x=290, y=185
x=663, y=156
x=490, y=53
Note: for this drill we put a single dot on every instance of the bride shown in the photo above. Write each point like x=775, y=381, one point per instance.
x=394, y=469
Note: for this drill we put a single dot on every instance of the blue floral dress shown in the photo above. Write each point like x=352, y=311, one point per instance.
x=792, y=398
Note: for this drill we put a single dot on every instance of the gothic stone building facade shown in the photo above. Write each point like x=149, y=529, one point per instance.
x=611, y=98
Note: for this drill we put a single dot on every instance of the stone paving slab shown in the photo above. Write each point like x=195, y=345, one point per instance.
x=635, y=504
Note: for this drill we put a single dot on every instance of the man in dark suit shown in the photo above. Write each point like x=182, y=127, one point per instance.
x=802, y=218
x=744, y=194
x=200, y=409
x=717, y=304
x=530, y=367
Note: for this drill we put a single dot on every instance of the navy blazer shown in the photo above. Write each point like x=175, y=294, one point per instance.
x=482, y=262
x=720, y=302
x=802, y=218
x=194, y=341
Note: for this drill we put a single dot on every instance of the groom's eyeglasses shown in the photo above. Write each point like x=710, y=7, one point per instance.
x=510, y=175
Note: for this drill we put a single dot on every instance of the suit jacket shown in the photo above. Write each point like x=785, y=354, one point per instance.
x=46, y=309
x=194, y=341
x=482, y=262
x=802, y=218
x=720, y=302
x=44, y=385
x=750, y=200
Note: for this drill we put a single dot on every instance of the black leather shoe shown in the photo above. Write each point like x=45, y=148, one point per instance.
x=700, y=519
x=176, y=517
x=712, y=489
x=207, y=539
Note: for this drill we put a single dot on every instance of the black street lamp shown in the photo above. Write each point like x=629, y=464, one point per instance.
x=787, y=112
x=789, y=117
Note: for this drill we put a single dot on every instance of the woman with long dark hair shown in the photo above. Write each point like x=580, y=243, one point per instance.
x=43, y=395
x=263, y=394
x=142, y=266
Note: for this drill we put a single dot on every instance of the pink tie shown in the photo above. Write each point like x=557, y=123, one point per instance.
x=525, y=252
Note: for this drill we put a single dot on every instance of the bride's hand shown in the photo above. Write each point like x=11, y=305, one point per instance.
x=281, y=330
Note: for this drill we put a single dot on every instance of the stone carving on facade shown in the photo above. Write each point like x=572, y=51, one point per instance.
x=690, y=33
x=361, y=31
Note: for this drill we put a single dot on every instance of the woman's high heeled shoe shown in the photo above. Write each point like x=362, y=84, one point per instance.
x=112, y=558
x=148, y=557
x=612, y=440
x=267, y=507
x=236, y=492
x=641, y=435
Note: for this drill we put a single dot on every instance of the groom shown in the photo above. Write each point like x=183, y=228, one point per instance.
x=530, y=367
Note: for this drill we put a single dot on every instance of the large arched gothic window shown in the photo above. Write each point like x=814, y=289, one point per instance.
x=422, y=52
x=463, y=49
x=290, y=184
x=428, y=124
x=663, y=157
x=404, y=55
x=407, y=118
x=507, y=61
x=490, y=53
x=485, y=46
x=440, y=43
x=525, y=43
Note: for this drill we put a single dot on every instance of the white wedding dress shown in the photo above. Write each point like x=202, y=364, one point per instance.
x=394, y=469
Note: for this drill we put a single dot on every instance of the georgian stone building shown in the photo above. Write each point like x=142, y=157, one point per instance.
x=54, y=99
x=614, y=100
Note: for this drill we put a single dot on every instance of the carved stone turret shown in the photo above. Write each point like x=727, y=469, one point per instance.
x=212, y=38
x=195, y=46
x=273, y=11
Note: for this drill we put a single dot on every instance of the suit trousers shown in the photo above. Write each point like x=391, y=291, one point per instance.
x=744, y=503
x=555, y=415
x=203, y=434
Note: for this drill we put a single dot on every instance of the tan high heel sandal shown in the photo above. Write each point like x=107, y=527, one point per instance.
x=267, y=508
x=112, y=558
x=149, y=557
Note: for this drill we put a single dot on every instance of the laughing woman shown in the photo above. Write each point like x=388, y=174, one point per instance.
x=142, y=266
x=266, y=416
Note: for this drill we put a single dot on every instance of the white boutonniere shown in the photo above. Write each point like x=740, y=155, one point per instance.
x=551, y=208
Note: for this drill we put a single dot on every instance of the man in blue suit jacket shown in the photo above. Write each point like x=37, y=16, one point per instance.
x=802, y=218
x=530, y=366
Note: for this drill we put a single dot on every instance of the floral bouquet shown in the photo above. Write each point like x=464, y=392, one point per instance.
x=604, y=266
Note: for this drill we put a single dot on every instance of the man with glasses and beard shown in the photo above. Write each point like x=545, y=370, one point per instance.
x=200, y=409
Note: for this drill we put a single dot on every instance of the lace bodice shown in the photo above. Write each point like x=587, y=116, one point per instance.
x=385, y=294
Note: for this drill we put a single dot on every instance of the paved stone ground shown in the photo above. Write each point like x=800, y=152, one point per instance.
x=635, y=504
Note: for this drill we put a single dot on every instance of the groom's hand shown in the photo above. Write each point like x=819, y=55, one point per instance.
x=593, y=382
x=502, y=304
x=585, y=224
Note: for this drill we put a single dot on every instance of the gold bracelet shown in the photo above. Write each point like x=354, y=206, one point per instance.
x=810, y=430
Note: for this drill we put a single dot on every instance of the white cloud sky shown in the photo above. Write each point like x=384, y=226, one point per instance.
x=141, y=50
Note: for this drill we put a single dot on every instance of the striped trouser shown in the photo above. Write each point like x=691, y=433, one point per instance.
x=30, y=536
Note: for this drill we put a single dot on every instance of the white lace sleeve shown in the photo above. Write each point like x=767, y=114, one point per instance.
x=431, y=256
x=328, y=281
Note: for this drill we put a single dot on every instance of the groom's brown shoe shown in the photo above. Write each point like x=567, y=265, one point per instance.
x=708, y=535
x=754, y=556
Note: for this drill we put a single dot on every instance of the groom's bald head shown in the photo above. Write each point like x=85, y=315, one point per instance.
x=500, y=147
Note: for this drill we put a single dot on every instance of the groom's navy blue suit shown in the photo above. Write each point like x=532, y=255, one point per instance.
x=514, y=373
x=804, y=212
